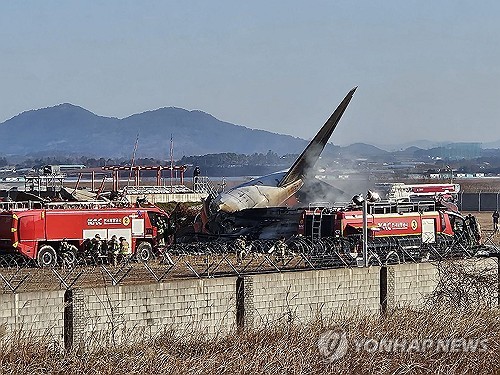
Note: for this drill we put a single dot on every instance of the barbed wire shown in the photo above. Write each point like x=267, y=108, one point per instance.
x=222, y=258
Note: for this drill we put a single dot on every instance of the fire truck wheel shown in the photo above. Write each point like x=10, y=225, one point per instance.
x=69, y=257
x=46, y=256
x=144, y=252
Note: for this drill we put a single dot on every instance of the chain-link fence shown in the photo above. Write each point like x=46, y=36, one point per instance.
x=233, y=258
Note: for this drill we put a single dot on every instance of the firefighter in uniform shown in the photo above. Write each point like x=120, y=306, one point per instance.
x=196, y=176
x=240, y=247
x=113, y=250
x=96, y=247
x=281, y=247
x=160, y=232
x=125, y=251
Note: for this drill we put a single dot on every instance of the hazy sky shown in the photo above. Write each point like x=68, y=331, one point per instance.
x=425, y=69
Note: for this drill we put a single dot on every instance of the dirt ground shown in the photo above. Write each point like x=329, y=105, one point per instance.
x=474, y=185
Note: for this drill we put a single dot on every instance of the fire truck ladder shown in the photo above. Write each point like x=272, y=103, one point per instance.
x=7, y=206
x=317, y=218
x=85, y=205
x=28, y=205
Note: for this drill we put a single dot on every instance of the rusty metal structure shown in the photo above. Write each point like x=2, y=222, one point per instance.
x=176, y=172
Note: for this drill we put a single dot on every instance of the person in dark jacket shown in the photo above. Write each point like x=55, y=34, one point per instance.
x=495, y=217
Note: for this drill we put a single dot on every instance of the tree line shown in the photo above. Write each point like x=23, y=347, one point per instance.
x=210, y=160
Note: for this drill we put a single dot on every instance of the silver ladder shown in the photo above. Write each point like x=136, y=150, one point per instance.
x=316, y=224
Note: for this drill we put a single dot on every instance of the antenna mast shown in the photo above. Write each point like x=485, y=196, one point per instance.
x=132, y=161
x=171, y=159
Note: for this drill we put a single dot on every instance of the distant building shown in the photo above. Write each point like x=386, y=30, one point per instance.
x=70, y=167
x=462, y=150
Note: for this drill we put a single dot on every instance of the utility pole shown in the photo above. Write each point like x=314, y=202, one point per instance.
x=365, y=232
x=132, y=161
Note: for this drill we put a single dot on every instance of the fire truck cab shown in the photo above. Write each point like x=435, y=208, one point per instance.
x=43, y=234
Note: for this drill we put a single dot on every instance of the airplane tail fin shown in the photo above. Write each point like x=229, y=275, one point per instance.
x=311, y=153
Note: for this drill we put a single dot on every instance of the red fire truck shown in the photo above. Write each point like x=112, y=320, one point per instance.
x=39, y=234
x=405, y=225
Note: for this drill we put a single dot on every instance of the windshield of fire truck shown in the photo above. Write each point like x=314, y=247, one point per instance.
x=457, y=223
x=158, y=220
x=5, y=227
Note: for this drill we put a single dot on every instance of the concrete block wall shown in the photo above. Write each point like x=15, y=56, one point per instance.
x=411, y=283
x=115, y=313
x=303, y=296
x=36, y=314
x=216, y=305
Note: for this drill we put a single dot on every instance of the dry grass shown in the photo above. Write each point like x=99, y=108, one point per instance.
x=281, y=349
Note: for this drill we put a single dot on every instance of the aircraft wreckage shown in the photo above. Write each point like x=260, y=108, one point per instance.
x=258, y=203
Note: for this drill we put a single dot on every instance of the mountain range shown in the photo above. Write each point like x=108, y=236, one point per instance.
x=67, y=129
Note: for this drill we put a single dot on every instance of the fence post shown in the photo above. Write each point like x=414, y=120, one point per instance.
x=383, y=290
x=74, y=322
x=244, y=302
x=387, y=276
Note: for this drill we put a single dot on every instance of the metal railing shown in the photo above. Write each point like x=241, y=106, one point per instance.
x=29, y=205
x=167, y=189
x=204, y=185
